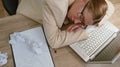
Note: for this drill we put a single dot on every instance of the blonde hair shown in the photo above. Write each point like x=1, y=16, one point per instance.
x=98, y=9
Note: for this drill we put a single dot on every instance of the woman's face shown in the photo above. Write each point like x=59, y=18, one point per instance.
x=88, y=18
x=85, y=18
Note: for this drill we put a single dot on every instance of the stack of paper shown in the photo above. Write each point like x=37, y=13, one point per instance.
x=30, y=48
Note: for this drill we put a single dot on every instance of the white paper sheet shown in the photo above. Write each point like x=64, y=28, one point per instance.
x=30, y=49
x=3, y=58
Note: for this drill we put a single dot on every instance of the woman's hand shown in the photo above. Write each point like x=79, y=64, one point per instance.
x=74, y=27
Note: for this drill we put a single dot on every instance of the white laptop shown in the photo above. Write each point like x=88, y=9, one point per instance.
x=30, y=49
x=97, y=41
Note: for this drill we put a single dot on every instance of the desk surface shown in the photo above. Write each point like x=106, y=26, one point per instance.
x=64, y=57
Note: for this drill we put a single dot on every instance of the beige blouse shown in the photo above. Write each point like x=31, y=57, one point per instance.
x=52, y=13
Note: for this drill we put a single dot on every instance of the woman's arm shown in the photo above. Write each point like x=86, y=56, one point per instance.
x=57, y=38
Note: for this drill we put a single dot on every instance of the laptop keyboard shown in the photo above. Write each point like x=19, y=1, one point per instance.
x=96, y=39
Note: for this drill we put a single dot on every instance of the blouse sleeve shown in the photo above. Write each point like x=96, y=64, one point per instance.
x=53, y=15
